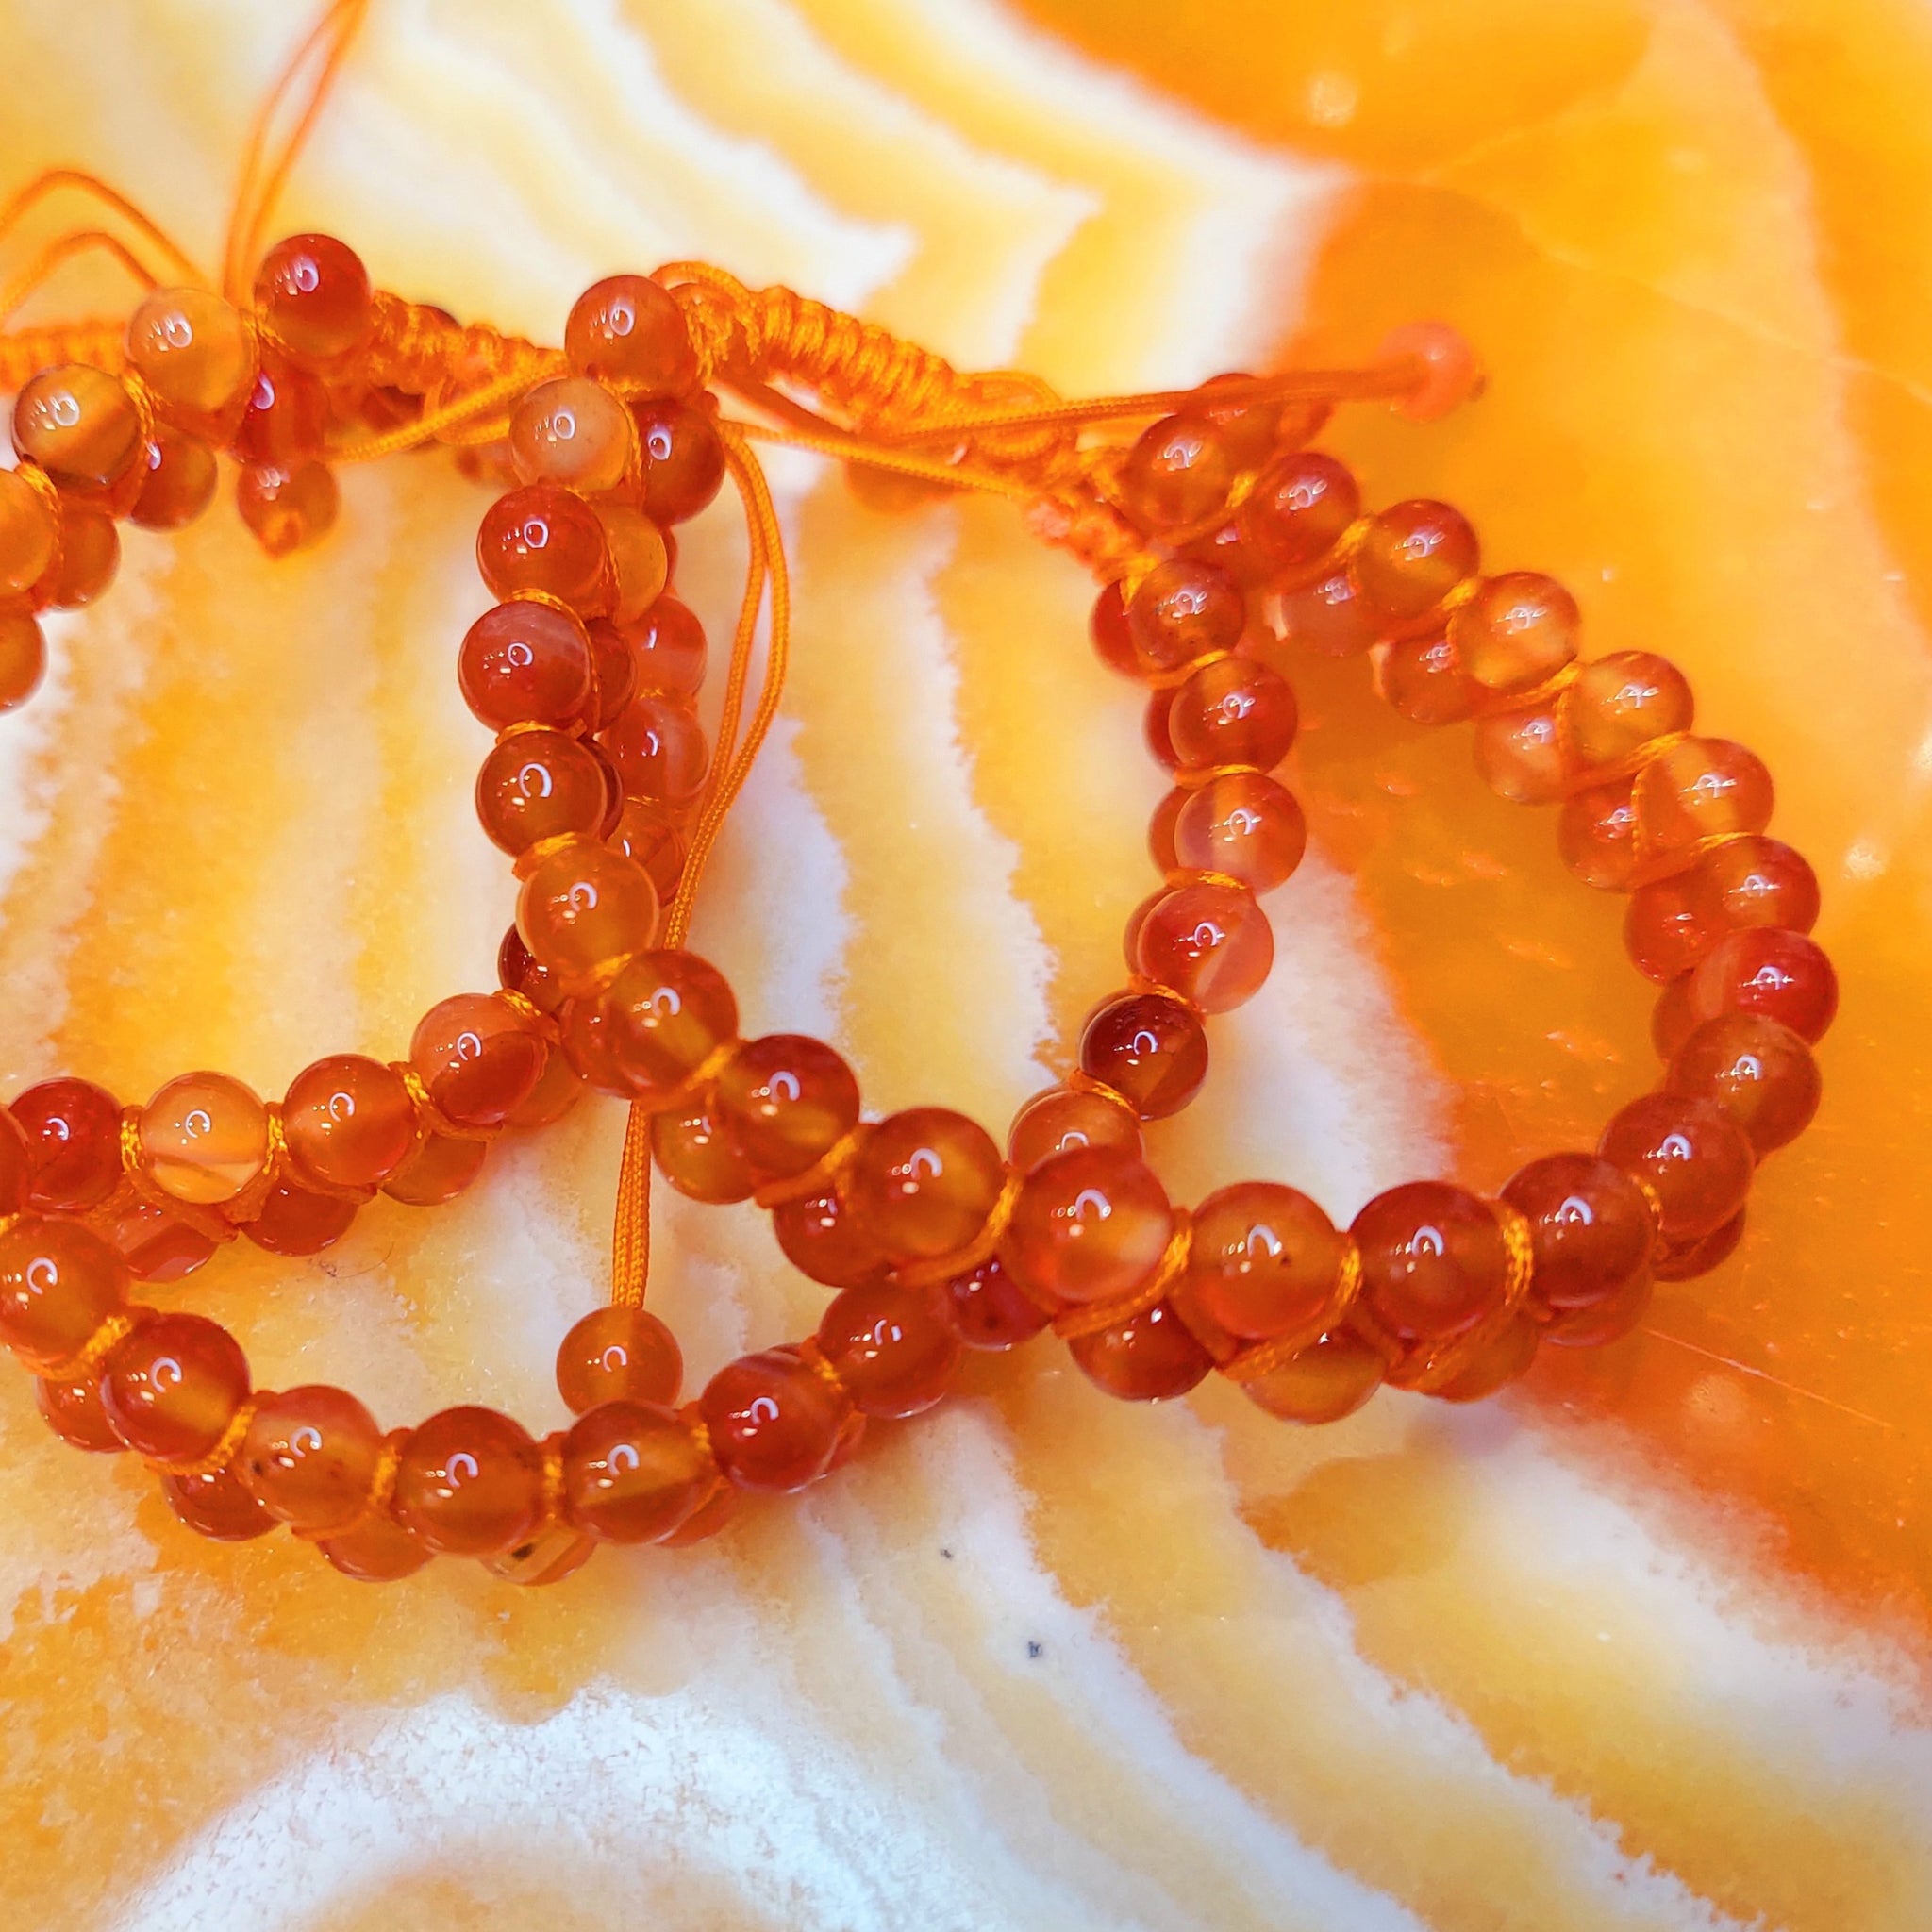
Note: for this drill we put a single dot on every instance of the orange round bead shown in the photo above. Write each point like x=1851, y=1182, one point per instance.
x=29, y=530
x=1697, y=789
x=820, y=1240
x=1296, y=513
x=572, y=432
x=683, y=458
x=925, y=1182
x=618, y=1353
x=650, y=835
x=195, y=354
x=1784, y=976
x=1597, y=836
x=436, y=1172
x=895, y=1349
x=285, y=418
x=1520, y=754
x=310, y=1456
x=1686, y=1259
x=1151, y=1356
x=1761, y=1072
x=1149, y=1049
x=1423, y=679
x=376, y=1550
x=16, y=1164
x=477, y=1057
x=1613, y=1317
x=154, y=1245
x=214, y=1504
x=1692, y=1157
x=1412, y=556
x=89, y=555
x=1179, y=471
x=1065, y=1118
x=294, y=1220
x=633, y=1472
x=23, y=657
x=470, y=1483
x=668, y=648
x=638, y=557
x=991, y=1311
x=1330, y=1378
x=1232, y=712
x=1211, y=943
x=541, y=538
x=660, y=750
x=538, y=785
x=313, y=294
x=1243, y=824
x=1111, y=637
x=179, y=482
x=625, y=331
x=1329, y=616
x=525, y=663
x=1450, y=374
x=696, y=1154
x=59, y=1282
x=584, y=910
x=1184, y=610
x=288, y=505
x=1092, y=1224
x=204, y=1137
x=517, y=972
x=79, y=424
x=558, y=1089
x=773, y=1422
x=71, y=1406
x=1616, y=705
x=1264, y=1260
x=787, y=1101
x=1518, y=629
x=1590, y=1229
x=170, y=1386
x=1434, y=1260
x=1497, y=1360
x=348, y=1121
x=665, y=1014
x=1754, y=882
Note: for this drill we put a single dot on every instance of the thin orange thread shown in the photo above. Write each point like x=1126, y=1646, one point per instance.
x=1261, y=1357
x=220, y=1455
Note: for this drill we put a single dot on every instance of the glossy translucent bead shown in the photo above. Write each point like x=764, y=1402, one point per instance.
x=550, y=1553
x=1494, y=1361
x=73, y=1135
x=518, y=972
x=1178, y=471
x=1211, y=943
x=1755, y=881
x=772, y=1421
x=1590, y=1229
x=1090, y=1224
x=170, y=1386
x=652, y=837
x=639, y=561
x=925, y=1182
x=293, y=1220
x=23, y=657
x=438, y=1170
x=1182, y=611
x=558, y=1089
x=1434, y=1262
x=194, y=353
x=1784, y=976
x=1617, y=705
x=89, y=555
x=525, y=663
x=1296, y=513
x=1151, y=1356
x=1111, y=637
x=15, y=1164
x=477, y=1058
x=572, y=432
x=712, y=1515
x=311, y=1455
x=1517, y=630
x=660, y=750
x=683, y=459
x=29, y=532
x=787, y=1100
x=1761, y=1072
x=1421, y=679
x=179, y=478
x=538, y=785
x=1596, y=835
x=895, y=1349
x=1247, y=428
x=1154, y=729
x=991, y=1311
x=214, y=1504
x=59, y=1282
x=667, y=1012
x=668, y=647
x=204, y=1137
x=288, y=507
x=1699, y=788
x=1161, y=848
x=1232, y=712
x=1065, y=1117
x=71, y=1406
x=313, y=294
x=469, y=1483
x=633, y=1472
x=614, y=676
x=1450, y=374
x=1264, y=1260
x=1149, y=1049
x=1685, y=1260
x=1691, y=1156
x=1329, y=616
x=625, y=331
x=1520, y=754
x=154, y=1244
x=541, y=538
x=698, y=1156
x=1411, y=556
x=376, y=1550
x=584, y=910
x=1243, y=824
x=285, y=418
x=617, y=1353
x=1330, y=1378
x=1608, y=1319
x=348, y=1121
x=822, y=1241
x=79, y=424
x=1671, y=1020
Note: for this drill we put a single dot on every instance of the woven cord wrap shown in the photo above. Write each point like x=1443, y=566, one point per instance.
x=90, y=1352
x=1427, y=1370
x=1092, y=1317
x=430, y=1119
x=23, y=352
x=226, y=1447
x=974, y=1254
x=1261, y=1357
x=824, y=1175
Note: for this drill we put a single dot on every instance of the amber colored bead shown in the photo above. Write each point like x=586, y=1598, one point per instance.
x=79, y=424
x=23, y=655
x=1151, y=1356
x=1517, y=630
x=518, y=972
x=348, y=1121
x=1149, y=1049
x=89, y=555
x=311, y=1455
x=1179, y=471
x=668, y=646
x=1232, y=712
x=72, y=1131
x=469, y=1483
x=787, y=1100
x=288, y=507
x=1696, y=1160
x=1497, y=1360
x=1422, y=681
x=633, y=1471
x=1590, y=1228
x=822, y=1239
x=1672, y=1019
x=436, y=1172
x=375, y=1550
x=660, y=750
x=16, y=1164
x=1449, y=371
x=1617, y=705
x=1155, y=734
x=1065, y=1117
x=1686, y=1259
x=1761, y=1072
x=650, y=835
x=667, y=1014
x=572, y=432
x=1161, y=849
x=1264, y=1260
x=1784, y=976
x=772, y=1421
x=204, y=1137
x=1090, y=1224
x=1245, y=825
x=194, y=353
x=550, y=1553
x=1329, y=616
x=1521, y=756
x=584, y=910
x=990, y=1309
x=1665, y=931
x=614, y=676
x=712, y=1515
x=1296, y=513
x=1330, y=1378
x=541, y=538
x=1697, y=789
x=683, y=459
x=625, y=331
x=172, y=1386
x=215, y=1504
x=1755, y=881
x=1596, y=835
x=1411, y=556
x=1247, y=427
x=476, y=1056
x=558, y=1089
x=294, y=1220
x=1182, y=611
x=286, y=416
x=525, y=663
x=1434, y=1260
x=29, y=530
x=313, y=294
x=154, y=1244
x=71, y=1406
x=617, y=1353
x=639, y=565
x=697, y=1154
x=895, y=1349
x=1211, y=943
x=1108, y=627
x=178, y=484
x=59, y=1282
x=925, y=1182
x=538, y=785
x=1608, y=1319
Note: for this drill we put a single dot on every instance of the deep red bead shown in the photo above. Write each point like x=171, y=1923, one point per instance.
x=72, y=1132
x=1151, y=1356
x=772, y=1421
